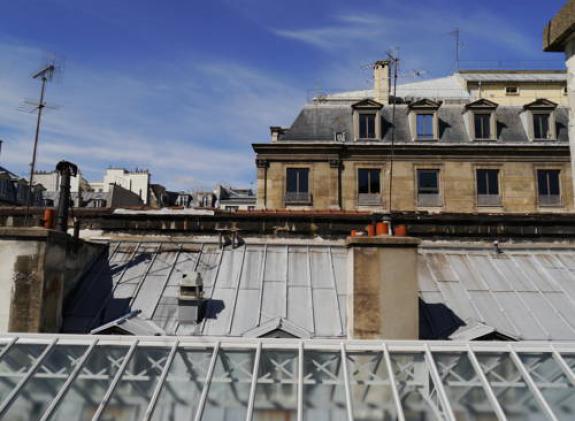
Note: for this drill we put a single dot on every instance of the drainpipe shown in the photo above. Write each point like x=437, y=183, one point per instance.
x=66, y=170
x=336, y=163
x=264, y=164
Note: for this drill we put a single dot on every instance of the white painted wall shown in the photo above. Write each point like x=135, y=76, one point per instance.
x=51, y=181
x=136, y=182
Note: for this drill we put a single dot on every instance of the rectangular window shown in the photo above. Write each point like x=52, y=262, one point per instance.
x=482, y=126
x=541, y=126
x=425, y=126
x=488, y=187
x=368, y=187
x=511, y=90
x=368, y=181
x=367, y=126
x=428, y=188
x=297, y=186
x=548, y=187
x=297, y=180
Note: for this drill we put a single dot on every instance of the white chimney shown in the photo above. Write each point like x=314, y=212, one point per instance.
x=191, y=300
x=382, y=81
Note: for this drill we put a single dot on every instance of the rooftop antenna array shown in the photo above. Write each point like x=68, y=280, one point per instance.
x=44, y=75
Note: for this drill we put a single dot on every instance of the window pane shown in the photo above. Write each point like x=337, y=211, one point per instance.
x=427, y=181
x=425, y=126
x=374, y=181
x=291, y=184
x=367, y=126
x=482, y=126
x=137, y=384
x=541, y=126
x=230, y=386
x=463, y=386
x=368, y=181
x=297, y=180
x=43, y=386
x=88, y=389
x=324, y=389
x=303, y=180
x=548, y=182
x=182, y=389
x=276, y=389
x=487, y=182
x=363, y=181
x=371, y=393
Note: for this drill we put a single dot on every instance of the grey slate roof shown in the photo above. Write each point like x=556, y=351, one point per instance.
x=247, y=287
x=320, y=122
x=526, y=293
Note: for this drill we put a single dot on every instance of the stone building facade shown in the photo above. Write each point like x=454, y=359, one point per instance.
x=472, y=142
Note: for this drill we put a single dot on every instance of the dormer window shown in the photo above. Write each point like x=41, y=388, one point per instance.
x=539, y=120
x=367, y=125
x=481, y=120
x=541, y=126
x=367, y=120
x=482, y=124
x=423, y=120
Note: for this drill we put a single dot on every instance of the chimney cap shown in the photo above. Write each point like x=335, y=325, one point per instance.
x=382, y=63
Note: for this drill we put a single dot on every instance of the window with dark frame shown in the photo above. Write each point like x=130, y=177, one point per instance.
x=428, y=188
x=367, y=126
x=297, y=180
x=368, y=181
x=482, y=125
x=541, y=126
x=511, y=90
x=487, y=185
x=428, y=181
x=488, y=182
x=424, y=123
x=548, y=187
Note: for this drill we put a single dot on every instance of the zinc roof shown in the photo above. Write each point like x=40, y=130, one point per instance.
x=532, y=77
x=246, y=287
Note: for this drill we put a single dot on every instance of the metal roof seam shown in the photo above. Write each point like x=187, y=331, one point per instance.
x=237, y=288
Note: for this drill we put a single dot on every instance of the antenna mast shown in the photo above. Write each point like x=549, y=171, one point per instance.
x=394, y=61
x=44, y=75
x=457, y=34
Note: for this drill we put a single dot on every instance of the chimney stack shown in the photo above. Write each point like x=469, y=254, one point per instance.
x=66, y=170
x=382, y=81
x=191, y=300
x=382, y=301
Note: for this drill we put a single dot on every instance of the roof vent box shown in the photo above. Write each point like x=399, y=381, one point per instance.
x=191, y=302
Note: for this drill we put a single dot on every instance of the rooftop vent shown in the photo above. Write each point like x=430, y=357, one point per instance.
x=191, y=302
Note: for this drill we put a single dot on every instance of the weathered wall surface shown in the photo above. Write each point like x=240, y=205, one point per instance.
x=517, y=184
x=526, y=93
x=383, y=295
x=39, y=268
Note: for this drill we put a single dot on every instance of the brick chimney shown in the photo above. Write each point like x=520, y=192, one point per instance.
x=382, y=81
x=382, y=301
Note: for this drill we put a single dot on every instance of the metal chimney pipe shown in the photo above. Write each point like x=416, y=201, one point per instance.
x=66, y=170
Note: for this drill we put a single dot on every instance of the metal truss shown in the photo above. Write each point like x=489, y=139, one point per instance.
x=48, y=377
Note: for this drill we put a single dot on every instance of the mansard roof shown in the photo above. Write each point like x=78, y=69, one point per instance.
x=320, y=123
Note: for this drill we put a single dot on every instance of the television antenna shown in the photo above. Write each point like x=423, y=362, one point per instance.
x=45, y=75
x=456, y=33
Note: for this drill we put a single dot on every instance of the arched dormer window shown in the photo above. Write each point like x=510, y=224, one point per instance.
x=424, y=120
x=367, y=120
x=480, y=119
x=538, y=119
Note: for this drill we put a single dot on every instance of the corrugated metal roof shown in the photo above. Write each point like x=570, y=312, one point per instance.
x=246, y=287
x=527, y=293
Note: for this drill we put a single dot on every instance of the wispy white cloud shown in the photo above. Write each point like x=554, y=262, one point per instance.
x=185, y=122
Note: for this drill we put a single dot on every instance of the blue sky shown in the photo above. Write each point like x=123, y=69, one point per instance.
x=183, y=87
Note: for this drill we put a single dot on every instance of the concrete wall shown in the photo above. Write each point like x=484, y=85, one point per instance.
x=383, y=292
x=39, y=268
x=528, y=92
x=517, y=184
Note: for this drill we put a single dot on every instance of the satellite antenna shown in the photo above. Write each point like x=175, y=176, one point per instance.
x=44, y=75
